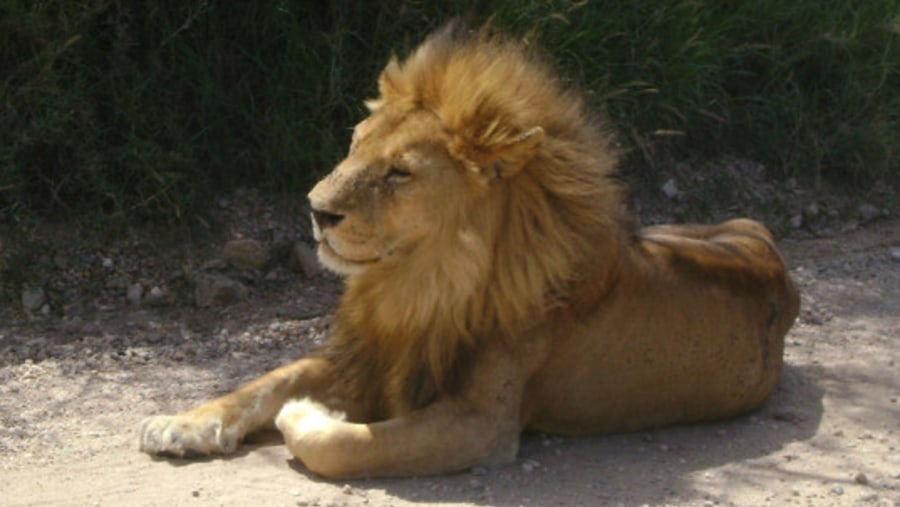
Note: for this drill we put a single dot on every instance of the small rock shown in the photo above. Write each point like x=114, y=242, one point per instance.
x=530, y=465
x=869, y=496
x=811, y=211
x=135, y=293
x=895, y=253
x=788, y=416
x=72, y=325
x=796, y=221
x=837, y=490
x=247, y=253
x=217, y=290
x=670, y=189
x=303, y=260
x=32, y=299
x=60, y=261
x=108, y=263
x=868, y=212
x=156, y=296
x=861, y=478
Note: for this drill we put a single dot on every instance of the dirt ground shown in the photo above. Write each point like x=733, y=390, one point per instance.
x=73, y=391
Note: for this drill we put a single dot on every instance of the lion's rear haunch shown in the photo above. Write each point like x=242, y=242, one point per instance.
x=496, y=283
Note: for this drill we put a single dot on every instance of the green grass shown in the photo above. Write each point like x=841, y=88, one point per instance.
x=146, y=110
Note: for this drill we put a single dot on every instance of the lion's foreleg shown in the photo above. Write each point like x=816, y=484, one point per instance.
x=478, y=427
x=218, y=426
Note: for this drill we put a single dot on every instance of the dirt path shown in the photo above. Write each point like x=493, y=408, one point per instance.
x=71, y=400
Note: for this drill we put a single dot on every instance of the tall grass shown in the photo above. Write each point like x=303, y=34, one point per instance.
x=147, y=109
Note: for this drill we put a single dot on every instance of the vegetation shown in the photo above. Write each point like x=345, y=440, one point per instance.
x=147, y=109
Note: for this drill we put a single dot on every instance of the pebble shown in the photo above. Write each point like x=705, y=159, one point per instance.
x=812, y=210
x=32, y=299
x=303, y=260
x=135, y=293
x=72, y=325
x=796, y=221
x=217, y=290
x=247, y=253
x=861, y=478
x=868, y=212
x=837, y=490
x=530, y=465
x=895, y=253
x=156, y=296
x=670, y=189
x=869, y=496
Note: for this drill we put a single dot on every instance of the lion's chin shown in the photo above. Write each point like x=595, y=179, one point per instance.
x=333, y=261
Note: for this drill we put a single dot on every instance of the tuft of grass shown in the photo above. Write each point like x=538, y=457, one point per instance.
x=145, y=110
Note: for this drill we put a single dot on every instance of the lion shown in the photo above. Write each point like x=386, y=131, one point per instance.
x=496, y=283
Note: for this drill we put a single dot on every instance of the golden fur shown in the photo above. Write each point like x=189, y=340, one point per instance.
x=496, y=283
x=500, y=277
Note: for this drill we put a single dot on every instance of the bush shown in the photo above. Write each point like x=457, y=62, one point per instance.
x=147, y=109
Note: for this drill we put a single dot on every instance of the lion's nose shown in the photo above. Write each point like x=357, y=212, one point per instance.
x=325, y=219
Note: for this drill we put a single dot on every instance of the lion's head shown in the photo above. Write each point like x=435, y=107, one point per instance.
x=477, y=196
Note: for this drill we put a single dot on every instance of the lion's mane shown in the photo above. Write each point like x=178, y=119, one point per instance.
x=538, y=247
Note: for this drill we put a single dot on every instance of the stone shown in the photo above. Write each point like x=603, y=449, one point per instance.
x=895, y=253
x=303, y=260
x=33, y=299
x=246, y=253
x=156, y=297
x=868, y=212
x=530, y=465
x=811, y=211
x=135, y=293
x=217, y=290
x=796, y=221
x=670, y=189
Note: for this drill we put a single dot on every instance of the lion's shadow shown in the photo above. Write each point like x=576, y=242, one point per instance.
x=650, y=467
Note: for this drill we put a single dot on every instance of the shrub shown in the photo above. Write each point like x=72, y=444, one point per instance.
x=147, y=109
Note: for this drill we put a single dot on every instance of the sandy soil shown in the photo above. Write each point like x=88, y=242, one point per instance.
x=72, y=396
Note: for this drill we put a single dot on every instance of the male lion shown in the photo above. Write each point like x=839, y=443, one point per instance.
x=495, y=284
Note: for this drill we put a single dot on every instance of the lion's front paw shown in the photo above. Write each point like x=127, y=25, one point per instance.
x=187, y=436
x=300, y=421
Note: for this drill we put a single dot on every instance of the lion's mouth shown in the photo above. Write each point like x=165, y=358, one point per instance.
x=331, y=259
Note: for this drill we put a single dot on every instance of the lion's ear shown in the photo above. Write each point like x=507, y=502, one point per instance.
x=509, y=157
x=387, y=85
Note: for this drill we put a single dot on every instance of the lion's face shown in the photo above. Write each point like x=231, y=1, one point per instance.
x=396, y=188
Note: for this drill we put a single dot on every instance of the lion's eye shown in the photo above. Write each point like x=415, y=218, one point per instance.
x=395, y=175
